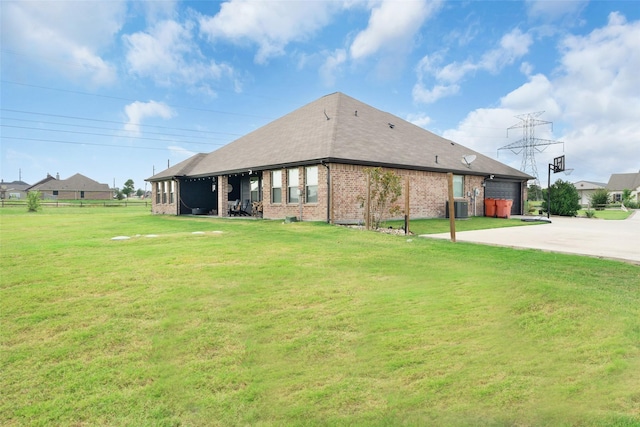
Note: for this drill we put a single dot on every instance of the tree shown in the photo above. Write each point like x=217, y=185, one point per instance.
x=534, y=193
x=626, y=196
x=139, y=192
x=600, y=198
x=565, y=200
x=128, y=188
x=33, y=201
x=385, y=187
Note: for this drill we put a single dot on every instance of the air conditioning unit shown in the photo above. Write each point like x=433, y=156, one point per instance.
x=460, y=209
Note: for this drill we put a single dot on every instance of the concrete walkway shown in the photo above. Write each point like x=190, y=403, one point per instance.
x=594, y=237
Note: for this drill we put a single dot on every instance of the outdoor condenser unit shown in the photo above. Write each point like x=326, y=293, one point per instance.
x=460, y=208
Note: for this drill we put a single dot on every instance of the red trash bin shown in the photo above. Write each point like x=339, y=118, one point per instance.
x=490, y=207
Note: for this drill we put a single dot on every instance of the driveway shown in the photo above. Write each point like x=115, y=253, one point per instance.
x=594, y=237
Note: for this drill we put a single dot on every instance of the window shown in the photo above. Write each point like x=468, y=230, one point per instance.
x=311, y=184
x=55, y=192
x=292, y=180
x=173, y=190
x=82, y=194
x=276, y=187
x=458, y=186
x=255, y=190
x=164, y=192
x=158, y=192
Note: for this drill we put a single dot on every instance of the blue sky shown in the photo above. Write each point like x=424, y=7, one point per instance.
x=116, y=90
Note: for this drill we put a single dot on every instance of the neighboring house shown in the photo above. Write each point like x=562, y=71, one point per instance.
x=76, y=187
x=309, y=164
x=618, y=182
x=586, y=190
x=13, y=190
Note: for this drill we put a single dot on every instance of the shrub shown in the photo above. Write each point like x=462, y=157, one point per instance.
x=565, y=200
x=600, y=198
x=33, y=201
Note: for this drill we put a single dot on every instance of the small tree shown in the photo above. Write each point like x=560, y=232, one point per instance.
x=385, y=187
x=128, y=188
x=565, y=200
x=139, y=192
x=33, y=201
x=534, y=192
x=599, y=198
x=626, y=196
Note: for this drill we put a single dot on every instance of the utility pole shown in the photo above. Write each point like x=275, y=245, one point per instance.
x=528, y=145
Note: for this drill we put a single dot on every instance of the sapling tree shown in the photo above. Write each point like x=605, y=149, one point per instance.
x=385, y=187
x=33, y=201
x=565, y=200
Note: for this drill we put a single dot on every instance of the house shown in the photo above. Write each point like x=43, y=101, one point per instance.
x=76, y=187
x=618, y=182
x=586, y=190
x=310, y=162
x=13, y=190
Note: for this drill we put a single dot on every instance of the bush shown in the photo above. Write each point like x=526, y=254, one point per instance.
x=33, y=201
x=565, y=200
x=385, y=189
x=600, y=198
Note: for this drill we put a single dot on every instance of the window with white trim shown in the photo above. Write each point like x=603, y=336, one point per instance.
x=458, y=186
x=292, y=182
x=276, y=187
x=311, y=184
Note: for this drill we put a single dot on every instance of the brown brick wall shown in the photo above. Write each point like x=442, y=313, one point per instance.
x=164, y=207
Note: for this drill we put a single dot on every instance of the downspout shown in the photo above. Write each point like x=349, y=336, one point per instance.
x=328, y=191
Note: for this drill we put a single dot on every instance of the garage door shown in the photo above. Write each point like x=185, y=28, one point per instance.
x=496, y=189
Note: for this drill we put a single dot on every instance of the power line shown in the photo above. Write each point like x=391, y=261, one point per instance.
x=103, y=134
x=136, y=100
x=84, y=143
x=98, y=127
x=116, y=122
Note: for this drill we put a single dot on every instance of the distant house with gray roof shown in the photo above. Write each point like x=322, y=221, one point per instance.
x=310, y=164
x=13, y=190
x=586, y=190
x=618, y=182
x=76, y=187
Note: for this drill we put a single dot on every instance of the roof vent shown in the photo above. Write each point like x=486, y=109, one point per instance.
x=356, y=113
x=391, y=125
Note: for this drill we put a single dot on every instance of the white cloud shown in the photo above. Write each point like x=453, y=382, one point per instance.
x=420, y=119
x=271, y=25
x=592, y=98
x=553, y=10
x=138, y=111
x=63, y=36
x=392, y=26
x=332, y=66
x=167, y=53
x=512, y=46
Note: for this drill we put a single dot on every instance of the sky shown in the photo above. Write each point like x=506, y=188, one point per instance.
x=119, y=90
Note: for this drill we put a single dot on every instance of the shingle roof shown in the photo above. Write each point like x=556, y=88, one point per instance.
x=77, y=182
x=338, y=128
x=589, y=185
x=624, y=181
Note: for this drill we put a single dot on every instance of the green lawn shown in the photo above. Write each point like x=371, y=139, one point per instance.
x=441, y=225
x=613, y=214
x=264, y=323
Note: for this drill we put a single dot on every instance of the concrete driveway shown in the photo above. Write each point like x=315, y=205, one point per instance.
x=594, y=237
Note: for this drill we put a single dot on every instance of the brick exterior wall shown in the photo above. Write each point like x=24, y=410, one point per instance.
x=165, y=206
x=428, y=192
x=76, y=195
x=427, y=195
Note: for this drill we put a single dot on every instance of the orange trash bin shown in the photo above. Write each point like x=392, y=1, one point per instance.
x=490, y=207
x=503, y=208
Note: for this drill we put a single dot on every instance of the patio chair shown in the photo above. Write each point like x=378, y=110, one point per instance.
x=245, y=208
x=234, y=209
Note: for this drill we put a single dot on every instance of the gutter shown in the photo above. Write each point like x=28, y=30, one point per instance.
x=323, y=163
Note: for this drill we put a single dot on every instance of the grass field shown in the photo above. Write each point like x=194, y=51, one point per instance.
x=264, y=323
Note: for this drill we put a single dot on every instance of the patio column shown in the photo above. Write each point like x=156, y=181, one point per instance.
x=223, y=195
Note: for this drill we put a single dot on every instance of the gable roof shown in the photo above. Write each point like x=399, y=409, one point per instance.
x=77, y=182
x=338, y=128
x=589, y=185
x=624, y=181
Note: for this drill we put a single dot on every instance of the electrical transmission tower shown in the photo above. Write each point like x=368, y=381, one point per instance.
x=528, y=145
